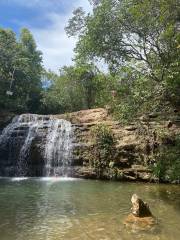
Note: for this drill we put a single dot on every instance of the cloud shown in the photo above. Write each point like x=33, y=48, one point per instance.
x=37, y=3
x=57, y=48
x=52, y=40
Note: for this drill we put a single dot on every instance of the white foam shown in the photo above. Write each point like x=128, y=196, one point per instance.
x=42, y=179
x=18, y=179
x=57, y=179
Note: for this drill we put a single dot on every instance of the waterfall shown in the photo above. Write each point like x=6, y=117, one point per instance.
x=35, y=141
x=25, y=149
x=6, y=133
x=58, y=146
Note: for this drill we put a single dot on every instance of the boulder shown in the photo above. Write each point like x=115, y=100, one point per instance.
x=139, y=208
x=140, y=217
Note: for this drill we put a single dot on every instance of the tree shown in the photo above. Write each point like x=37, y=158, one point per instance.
x=77, y=87
x=95, y=3
x=9, y=64
x=76, y=23
x=20, y=71
x=119, y=31
x=32, y=66
x=140, y=35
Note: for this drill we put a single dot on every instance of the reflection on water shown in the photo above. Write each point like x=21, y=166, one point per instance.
x=68, y=209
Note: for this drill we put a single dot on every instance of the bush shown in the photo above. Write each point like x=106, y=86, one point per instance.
x=167, y=167
x=103, y=147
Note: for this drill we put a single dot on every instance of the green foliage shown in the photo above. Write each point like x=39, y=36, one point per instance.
x=76, y=23
x=167, y=166
x=139, y=40
x=103, y=135
x=145, y=31
x=20, y=71
x=103, y=149
x=76, y=88
x=135, y=95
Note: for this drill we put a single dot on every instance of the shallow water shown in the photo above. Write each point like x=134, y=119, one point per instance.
x=69, y=209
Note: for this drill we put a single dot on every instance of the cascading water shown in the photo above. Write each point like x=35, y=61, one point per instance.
x=25, y=149
x=36, y=145
x=7, y=132
x=58, y=147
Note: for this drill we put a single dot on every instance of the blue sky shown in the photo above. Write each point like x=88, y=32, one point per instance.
x=46, y=19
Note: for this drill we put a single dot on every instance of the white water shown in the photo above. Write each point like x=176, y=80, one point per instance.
x=25, y=149
x=6, y=133
x=18, y=179
x=56, y=148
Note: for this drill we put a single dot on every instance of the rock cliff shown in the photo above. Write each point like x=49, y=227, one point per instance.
x=130, y=159
x=136, y=143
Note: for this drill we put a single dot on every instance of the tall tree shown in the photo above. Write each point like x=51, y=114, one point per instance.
x=20, y=71
x=32, y=68
x=76, y=88
x=119, y=31
x=141, y=34
x=9, y=56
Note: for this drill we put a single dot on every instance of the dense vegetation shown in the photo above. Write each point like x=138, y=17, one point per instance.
x=20, y=71
x=137, y=40
x=139, y=44
x=76, y=88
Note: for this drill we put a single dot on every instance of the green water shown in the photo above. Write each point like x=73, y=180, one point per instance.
x=55, y=209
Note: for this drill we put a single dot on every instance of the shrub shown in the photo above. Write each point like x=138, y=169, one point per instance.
x=167, y=167
x=103, y=147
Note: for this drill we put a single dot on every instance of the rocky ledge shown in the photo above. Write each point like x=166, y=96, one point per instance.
x=131, y=154
x=135, y=144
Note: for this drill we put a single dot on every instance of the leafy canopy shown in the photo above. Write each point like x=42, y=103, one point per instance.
x=20, y=71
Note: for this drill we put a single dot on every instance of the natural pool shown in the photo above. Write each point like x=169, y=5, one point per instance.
x=68, y=209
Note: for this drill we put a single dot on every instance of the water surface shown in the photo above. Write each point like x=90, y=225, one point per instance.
x=69, y=209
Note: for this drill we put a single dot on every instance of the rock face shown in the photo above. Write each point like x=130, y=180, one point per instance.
x=5, y=119
x=140, y=217
x=129, y=160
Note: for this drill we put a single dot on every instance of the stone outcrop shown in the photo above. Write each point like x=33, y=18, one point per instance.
x=140, y=208
x=131, y=157
x=5, y=118
x=135, y=143
x=140, y=217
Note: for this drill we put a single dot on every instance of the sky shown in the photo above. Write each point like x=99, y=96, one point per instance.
x=46, y=20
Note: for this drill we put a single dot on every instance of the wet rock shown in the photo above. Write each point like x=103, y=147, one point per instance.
x=5, y=119
x=140, y=217
x=137, y=223
x=139, y=208
x=153, y=115
x=169, y=124
x=145, y=176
